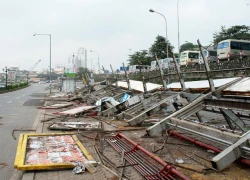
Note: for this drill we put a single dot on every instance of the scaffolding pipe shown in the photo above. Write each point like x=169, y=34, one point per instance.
x=207, y=146
x=157, y=159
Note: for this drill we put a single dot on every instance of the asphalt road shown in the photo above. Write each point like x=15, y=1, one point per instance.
x=13, y=115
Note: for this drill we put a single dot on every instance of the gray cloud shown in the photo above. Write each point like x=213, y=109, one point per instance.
x=110, y=27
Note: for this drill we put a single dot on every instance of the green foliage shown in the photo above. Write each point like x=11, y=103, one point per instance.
x=188, y=46
x=14, y=86
x=176, y=55
x=140, y=57
x=81, y=72
x=234, y=32
x=160, y=48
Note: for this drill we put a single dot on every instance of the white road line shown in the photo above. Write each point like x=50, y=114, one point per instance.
x=9, y=102
x=18, y=97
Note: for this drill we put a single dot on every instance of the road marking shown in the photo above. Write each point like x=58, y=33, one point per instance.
x=9, y=102
x=18, y=97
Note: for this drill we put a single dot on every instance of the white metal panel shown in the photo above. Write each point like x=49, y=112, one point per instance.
x=69, y=85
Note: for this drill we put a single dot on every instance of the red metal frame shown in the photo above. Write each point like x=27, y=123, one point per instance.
x=207, y=146
x=149, y=165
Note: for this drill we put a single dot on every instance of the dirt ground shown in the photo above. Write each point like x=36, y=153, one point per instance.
x=195, y=160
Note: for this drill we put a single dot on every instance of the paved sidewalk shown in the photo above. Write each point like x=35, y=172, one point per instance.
x=101, y=172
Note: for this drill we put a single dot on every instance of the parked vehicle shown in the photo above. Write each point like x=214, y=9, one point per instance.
x=189, y=57
x=233, y=49
x=211, y=56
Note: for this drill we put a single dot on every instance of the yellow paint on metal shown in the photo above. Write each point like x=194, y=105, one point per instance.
x=84, y=150
x=84, y=80
x=21, y=154
x=18, y=151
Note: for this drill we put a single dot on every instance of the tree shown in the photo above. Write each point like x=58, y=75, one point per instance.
x=160, y=48
x=145, y=57
x=234, y=32
x=81, y=72
x=188, y=46
x=140, y=57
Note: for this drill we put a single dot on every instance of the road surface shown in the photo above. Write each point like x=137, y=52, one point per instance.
x=14, y=115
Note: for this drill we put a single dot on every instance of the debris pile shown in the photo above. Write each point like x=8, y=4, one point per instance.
x=216, y=119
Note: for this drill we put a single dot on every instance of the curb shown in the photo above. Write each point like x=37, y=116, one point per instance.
x=21, y=175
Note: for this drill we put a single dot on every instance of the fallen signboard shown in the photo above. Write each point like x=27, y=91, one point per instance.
x=50, y=151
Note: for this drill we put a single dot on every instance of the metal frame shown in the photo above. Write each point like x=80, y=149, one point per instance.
x=21, y=154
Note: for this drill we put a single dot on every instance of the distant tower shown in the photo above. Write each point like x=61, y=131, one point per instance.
x=82, y=57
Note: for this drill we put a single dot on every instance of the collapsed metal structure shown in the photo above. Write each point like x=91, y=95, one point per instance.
x=237, y=146
x=232, y=139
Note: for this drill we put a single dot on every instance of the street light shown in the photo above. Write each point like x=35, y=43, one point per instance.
x=6, y=70
x=49, y=56
x=178, y=27
x=153, y=11
x=98, y=61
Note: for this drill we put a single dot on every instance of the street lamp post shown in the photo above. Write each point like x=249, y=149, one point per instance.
x=6, y=77
x=49, y=57
x=153, y=11
x=178, y=27
x=98, y=61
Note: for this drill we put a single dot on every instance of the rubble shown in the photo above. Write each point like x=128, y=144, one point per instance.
x=128, y=106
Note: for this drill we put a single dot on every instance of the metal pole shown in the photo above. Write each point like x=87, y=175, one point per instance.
x=161, y=72
x=178, y=27
x=50, y=63
x=127, y=78
x=166, y=29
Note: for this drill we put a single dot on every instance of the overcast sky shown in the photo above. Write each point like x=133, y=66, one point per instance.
x=110, y=27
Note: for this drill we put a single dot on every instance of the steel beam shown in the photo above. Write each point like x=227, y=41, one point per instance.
x=161, y=126
x=209, y=77
x=183, y=86
x=224, y=103
x=116, y=81
x=156, y=107
x=161, y=72
x=127, y=78
x=203, y=131
x=230, y=116
x=230, y=154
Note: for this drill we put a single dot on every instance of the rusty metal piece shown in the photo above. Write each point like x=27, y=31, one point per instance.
x=150, y=166
x=14, y=130
x=127, y=165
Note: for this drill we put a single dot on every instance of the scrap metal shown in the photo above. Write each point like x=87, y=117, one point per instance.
x=150, y=166
x=87, y=126
x=75, y=111
x=50, y=151
x=55, y=106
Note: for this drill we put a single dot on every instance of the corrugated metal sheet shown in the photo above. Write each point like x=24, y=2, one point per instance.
x=75, y=110
x=201, y=84
x=138, y=85
x=69, y=85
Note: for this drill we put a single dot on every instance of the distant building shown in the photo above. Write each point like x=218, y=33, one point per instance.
x=12, y=73
x=59, y=70
x=81, y=58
